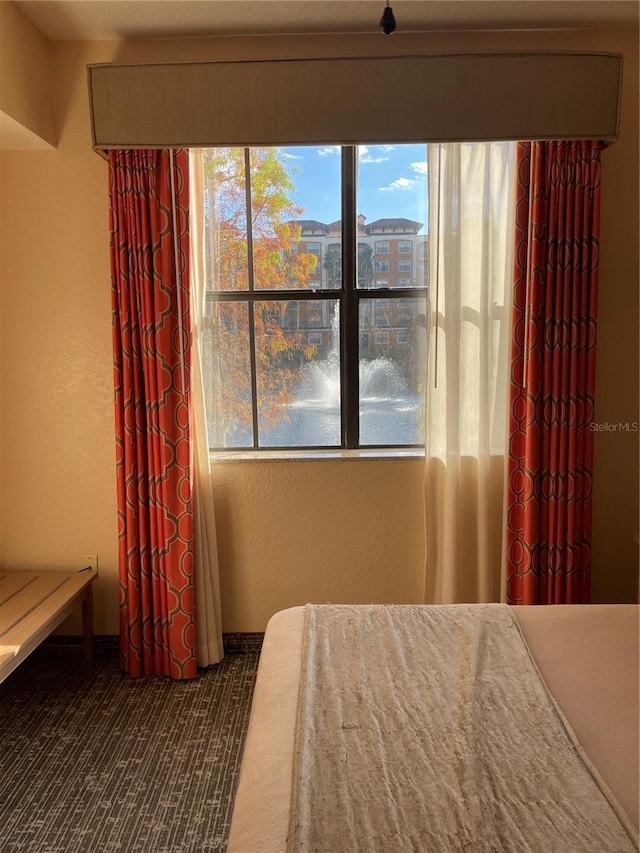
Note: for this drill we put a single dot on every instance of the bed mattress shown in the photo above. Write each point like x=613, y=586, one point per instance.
x=587, y=657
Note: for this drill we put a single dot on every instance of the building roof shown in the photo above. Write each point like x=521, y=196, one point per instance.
x=310, y=225
x=394, y=225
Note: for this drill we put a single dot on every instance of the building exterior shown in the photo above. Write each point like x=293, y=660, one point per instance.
x=392, y=254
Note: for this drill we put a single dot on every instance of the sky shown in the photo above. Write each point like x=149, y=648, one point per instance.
x=391, y=181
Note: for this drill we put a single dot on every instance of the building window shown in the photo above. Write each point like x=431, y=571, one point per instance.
x=404, y=312
x=404, y=248
x=404, y=266
x=292, y=320
x=382, y=248
x=383, y=317
x=314, y=313
x=273, y=379
x=402, y=337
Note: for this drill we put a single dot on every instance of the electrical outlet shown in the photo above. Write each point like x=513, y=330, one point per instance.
x=91, y=561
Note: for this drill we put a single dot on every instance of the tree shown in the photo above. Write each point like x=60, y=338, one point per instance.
x=333, y=265
x=365, y=265
x=267, y=229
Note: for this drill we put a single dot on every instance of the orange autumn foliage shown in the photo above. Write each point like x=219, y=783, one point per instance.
x=264, y=252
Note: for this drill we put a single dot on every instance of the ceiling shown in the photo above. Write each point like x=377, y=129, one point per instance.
x=89, y=20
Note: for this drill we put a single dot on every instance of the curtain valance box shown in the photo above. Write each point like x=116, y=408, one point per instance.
x=474, y=97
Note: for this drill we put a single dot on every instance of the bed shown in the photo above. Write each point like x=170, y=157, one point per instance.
x=585, y=662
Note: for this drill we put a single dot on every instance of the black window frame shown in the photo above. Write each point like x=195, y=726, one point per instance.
x=348, y=296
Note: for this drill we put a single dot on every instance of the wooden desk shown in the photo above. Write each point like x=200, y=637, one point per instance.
x=33, y=604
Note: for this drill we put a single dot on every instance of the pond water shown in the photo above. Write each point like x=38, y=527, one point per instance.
x=389, y=413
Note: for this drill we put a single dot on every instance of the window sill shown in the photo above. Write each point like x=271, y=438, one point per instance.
x=377, y=453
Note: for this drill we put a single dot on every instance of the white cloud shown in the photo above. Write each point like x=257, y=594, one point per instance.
x=369, y=159
x=365, y=155
x=420, y=168
x=286, y=156
x=328, y=151
x=398, y=184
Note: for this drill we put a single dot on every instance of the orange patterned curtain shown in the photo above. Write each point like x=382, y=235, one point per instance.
x=150, y=295
x=550, y=461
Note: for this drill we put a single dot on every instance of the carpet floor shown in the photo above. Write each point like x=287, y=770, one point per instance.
x=119, y=764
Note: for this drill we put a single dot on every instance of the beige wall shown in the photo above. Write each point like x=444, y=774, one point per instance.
x=615, y=500
x=332, y=530
x=25, y=81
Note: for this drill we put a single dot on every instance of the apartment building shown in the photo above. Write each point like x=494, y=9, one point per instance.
x=392, y=254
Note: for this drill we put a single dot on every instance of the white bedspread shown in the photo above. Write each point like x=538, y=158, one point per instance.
x=435, y=733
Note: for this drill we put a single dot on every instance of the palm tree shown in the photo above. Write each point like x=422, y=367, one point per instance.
x=333, y=265
x=365, y=265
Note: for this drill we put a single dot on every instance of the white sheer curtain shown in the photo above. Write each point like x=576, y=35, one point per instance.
x=208, y=612
x=471, y=236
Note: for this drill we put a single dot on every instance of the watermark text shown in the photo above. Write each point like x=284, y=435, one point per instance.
x=615, y=427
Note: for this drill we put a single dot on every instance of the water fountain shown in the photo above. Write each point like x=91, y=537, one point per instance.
x=389, y=413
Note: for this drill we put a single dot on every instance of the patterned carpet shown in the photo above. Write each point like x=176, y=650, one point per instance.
x=116, y=764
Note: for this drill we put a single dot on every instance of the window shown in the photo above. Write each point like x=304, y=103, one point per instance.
x=382, y=248
x=404, y=266
x=382, y=312
x=404, y=314
x=301, y=345
x=292, y=321
x=404, y=248
x=317, y=313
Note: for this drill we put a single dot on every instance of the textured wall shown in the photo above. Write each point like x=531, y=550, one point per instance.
x=25, y=74
x=332, y=530
x=616, y=470
x=321, y=531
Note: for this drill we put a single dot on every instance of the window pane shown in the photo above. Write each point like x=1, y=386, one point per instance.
x=298, y=373
x=295, y=211
x=392, y=189
x=225, y=219
x=392, y=368
x=227, y=374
